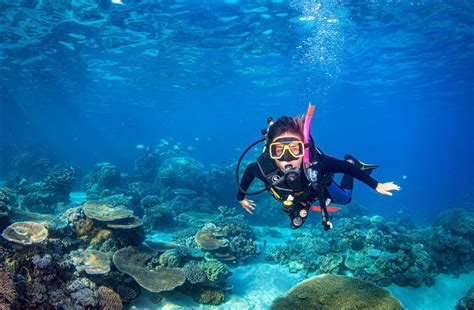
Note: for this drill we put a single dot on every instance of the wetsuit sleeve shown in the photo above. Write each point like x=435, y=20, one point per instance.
x=330, y=164
x=251, y=172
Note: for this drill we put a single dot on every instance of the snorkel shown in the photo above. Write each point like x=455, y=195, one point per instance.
x=307, y=134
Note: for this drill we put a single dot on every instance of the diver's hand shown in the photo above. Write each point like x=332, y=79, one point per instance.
x=248, y=205
x=386, y=188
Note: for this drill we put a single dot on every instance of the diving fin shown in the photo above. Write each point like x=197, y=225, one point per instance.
x=329, y=208
x=367, y=168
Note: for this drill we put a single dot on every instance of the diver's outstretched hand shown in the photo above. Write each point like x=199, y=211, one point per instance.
x=386, y=188
x=248, y=205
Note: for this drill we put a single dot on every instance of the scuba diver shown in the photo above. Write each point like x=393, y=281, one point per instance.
x=297, y=173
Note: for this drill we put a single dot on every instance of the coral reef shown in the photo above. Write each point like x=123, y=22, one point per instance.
x=108, y=299
x=108, y=229
x=208, y=296
x=178, y=172
x=5, y=200
x=452, y=241
x=234, y=241
x=93, y=262
x=103, y=178
x=336, y=292
x=105, y=212
x=26, y=233
x=159, y=217
x=467, y=302
x=7, y=289
x=372, y=249
x=133, y=261
x=48, y=195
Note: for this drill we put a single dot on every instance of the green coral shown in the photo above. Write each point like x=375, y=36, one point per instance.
x=170, y=259
x=214, y=270
x=209, y=296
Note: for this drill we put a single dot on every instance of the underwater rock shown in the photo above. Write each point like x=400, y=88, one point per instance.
x=336, y=292
x=26, y=233
x=93, y=262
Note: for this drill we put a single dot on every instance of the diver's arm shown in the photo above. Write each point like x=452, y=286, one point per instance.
x=328, y=164
x=249, y=175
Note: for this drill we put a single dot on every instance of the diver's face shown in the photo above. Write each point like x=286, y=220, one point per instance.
x=294, y=163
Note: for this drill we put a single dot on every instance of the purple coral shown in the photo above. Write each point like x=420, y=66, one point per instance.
x=194, y=274
x=41, y=261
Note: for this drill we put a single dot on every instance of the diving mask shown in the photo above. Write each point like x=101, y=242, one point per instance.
x=287, y=149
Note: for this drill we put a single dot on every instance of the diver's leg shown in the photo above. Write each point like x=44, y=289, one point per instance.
x=339, y=194
x=347, y=181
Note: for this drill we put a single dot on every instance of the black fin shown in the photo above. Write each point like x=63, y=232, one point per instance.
x=367, y=168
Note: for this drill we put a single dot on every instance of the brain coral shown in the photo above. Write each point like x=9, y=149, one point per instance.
x=327, y=292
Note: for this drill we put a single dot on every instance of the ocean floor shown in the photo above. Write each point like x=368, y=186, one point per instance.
x=443, y=295
x=258, y=283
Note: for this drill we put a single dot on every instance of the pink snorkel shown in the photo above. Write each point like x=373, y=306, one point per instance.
x=307, y=134
x=311, y=173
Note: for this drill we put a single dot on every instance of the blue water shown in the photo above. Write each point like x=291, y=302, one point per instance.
x=85, y=82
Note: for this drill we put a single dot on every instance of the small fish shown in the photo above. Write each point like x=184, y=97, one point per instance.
x=196, y=138
x=404, y=177
x=307, y=18
x=117, y=2
x=140, y=147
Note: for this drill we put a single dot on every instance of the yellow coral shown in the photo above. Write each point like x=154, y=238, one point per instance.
x=84, y=227
x=209, y=296
x=100, y=236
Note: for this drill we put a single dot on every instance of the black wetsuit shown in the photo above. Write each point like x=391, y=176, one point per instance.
x=326, y=165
